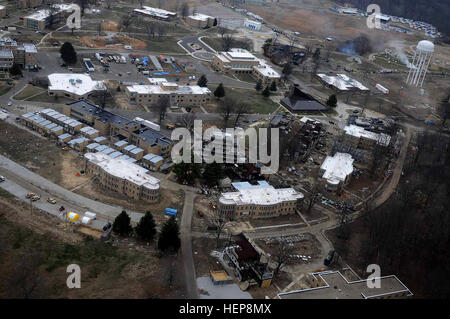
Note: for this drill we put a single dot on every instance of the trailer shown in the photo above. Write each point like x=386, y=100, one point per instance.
x=382, y=89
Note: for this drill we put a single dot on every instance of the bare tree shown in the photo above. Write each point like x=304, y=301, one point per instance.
x=188, y=120
x=184, y=10
x=217, y=219
x=161, y=29
x=161, y=107
x=227, y=42
x=222, y=31
x=314, y=196
x=150, y=28
x=282, y=256
x=226, y=108
x=240, y=109
x=125, y=21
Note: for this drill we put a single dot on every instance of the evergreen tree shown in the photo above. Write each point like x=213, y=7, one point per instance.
x=122, y=225
x=220, y=91
x=213, y=173
x=146, y=228
x=15, y=69
x=68, y=53
x=266, y=92
x=332, y=101
x=187, y=172
x=273, y=86
x=169, y=238
x=259, y=86
x=202, y=81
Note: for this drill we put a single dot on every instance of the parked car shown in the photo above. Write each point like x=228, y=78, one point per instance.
x=2, y=178
x=29, y=195
x=51, y=200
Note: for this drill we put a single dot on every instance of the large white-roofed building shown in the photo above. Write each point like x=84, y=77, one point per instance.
x=336, y=170
x=259, y=201
x=156, y=13
x=41, y=19
x=76, y=86
x=122, y=176
x=200, y=20
x=179, y=95
x=342, y=82
x=359, y=137
x=242, y=61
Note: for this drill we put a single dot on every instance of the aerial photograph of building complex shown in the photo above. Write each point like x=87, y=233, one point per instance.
x=225, y=150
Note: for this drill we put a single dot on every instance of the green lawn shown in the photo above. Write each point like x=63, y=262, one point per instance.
x=255, y=101
x=44, y=97
x=28, y=91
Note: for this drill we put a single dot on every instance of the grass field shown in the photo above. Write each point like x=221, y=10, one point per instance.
x=5, y=87
x=28, y=91
x=255, y=101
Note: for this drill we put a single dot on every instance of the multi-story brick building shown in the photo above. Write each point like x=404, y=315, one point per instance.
x=41, y=19
x=259, y=201
x=201, y=20
x=24, y=55
x=24, y=4
x=120, y=128
x=123, y=177
x=179, y=95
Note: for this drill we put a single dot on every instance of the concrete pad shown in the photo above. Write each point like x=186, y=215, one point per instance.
x=228, y=291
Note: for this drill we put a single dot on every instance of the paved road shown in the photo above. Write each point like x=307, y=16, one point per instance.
x=32, y=181
x=186, y=246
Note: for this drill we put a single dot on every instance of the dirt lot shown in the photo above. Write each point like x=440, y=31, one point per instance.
x=306, y=247
x=117, y=42
x=37, y=154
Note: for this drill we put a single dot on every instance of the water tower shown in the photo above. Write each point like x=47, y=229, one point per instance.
x=420, y=63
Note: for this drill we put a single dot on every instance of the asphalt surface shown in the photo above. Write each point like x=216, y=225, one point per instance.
x=30, y=181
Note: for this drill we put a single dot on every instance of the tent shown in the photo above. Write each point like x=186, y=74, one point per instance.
x=73, y=217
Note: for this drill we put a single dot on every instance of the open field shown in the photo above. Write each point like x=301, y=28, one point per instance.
x=255, y=101
x=27, y=92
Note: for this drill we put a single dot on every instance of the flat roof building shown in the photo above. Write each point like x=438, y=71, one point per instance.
x=359, y=137
x=72, y=85
x=336, y=171
x=336, y=286
x=259, y=201
x=201, y=20
x=179, y=95
x=155, y=13
x=118, y=175
x=120, y=128
x=342, y=82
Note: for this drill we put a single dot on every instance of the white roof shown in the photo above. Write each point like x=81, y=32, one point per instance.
x=200, y=17
x=337, y=167
x=266, y=70
x=155, y=12
x=342, y=82
x=124, y=170
x=41, y=15
x=78, y=84
x=261, y=194
x=358, y=131
x=168, y=88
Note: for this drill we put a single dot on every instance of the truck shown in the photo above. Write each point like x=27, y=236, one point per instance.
x=89, y=66
x=123, y=59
